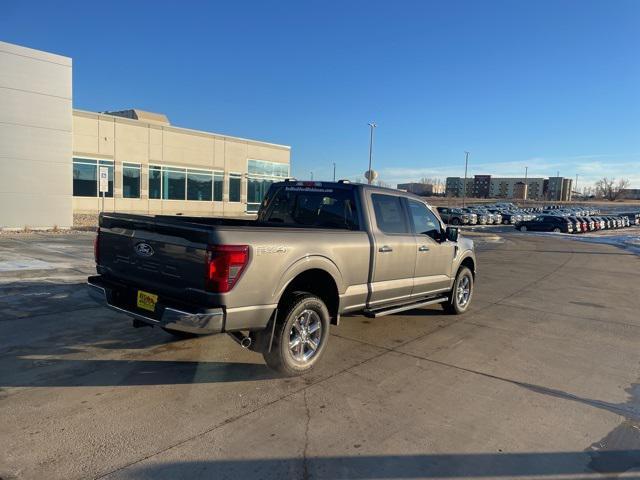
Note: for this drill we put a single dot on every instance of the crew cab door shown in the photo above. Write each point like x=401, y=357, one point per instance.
x=394, y=250
x=434, y=256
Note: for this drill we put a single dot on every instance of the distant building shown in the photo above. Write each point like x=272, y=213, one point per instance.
x=520, y=190
x=481, y=186
x=630, y=193
x=424, y=189
x=454, y=186
x=486, y=186
x=567, y=184
x=504, y=187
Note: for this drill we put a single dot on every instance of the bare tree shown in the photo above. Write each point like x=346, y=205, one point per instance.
x=610, y=188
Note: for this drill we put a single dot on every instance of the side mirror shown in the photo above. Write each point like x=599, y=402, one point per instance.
x=451, y=234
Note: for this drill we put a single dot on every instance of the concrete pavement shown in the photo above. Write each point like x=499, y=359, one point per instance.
x=538, y=380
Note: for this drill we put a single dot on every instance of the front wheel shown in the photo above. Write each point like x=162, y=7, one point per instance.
x=300, y=337
x=455, y=221
x=461, y=293
x=557, y=230
x=523, y=228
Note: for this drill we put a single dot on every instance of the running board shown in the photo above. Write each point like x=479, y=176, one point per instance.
x=402, y=308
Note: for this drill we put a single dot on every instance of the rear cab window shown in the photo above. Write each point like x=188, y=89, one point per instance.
x=389, y=212
x=315, y=205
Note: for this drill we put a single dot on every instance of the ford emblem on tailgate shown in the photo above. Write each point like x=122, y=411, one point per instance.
x=144, y=249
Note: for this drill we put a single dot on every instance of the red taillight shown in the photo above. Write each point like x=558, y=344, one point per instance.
x=96, y=248
x=225, y=264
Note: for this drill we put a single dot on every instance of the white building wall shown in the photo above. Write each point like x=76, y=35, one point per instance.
x=35, y=138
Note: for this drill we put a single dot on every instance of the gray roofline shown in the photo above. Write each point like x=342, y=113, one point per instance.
x=178, y=129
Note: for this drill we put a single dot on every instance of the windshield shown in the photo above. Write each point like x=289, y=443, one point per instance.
x=310, y=206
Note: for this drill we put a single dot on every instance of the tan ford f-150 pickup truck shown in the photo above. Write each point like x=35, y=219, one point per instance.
x=276, y=283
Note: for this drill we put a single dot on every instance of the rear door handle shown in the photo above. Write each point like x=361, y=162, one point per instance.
x=423, y=248
x=385, y=249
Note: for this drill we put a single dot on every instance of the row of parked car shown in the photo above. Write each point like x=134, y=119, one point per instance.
x=495, y=214
x=563, y=222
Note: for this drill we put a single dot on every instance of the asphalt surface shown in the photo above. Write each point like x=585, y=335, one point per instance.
x=538, y=380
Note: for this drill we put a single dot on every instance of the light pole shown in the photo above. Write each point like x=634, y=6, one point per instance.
x=575, y=189
x=464, y=185
x=372, y=125
x=334, y=171
x=526, y=185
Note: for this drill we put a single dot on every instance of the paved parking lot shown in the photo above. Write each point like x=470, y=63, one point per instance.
x=540, y=379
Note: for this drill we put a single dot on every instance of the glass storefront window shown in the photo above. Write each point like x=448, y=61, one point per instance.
x=131, y=180
x=173, y=183
x=234, y=187
x=218, y=185
x=155, y=182
x=199, y=185
x=85, y=177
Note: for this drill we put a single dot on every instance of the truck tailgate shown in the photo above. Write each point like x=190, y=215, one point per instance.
x=163, y=258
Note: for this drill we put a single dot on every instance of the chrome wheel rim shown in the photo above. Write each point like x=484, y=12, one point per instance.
x=463, y=292
x=305, y=336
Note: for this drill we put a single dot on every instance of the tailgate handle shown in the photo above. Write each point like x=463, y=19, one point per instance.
x=385, y=249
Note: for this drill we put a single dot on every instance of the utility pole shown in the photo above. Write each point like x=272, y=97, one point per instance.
x=526, y=185
x=464, y=185
x=372, y=125
x=334, y=171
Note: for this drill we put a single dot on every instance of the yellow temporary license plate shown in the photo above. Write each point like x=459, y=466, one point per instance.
x=147, y=301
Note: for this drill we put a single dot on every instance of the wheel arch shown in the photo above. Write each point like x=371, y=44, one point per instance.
x=316, y=275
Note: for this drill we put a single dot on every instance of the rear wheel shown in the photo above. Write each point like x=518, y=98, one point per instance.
x=557, y=230
x=455, y=221
x=461, y=293
x=523, y=228
x=300, y=337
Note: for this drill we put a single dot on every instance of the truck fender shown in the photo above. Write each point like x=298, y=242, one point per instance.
x=308, y=262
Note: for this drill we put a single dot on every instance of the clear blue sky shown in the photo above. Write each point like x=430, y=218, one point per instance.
x=554, y=85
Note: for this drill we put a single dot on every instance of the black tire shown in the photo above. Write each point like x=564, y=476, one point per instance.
x=455, y=221
x=281, y=358
x=523, y=228
x=557, y=230
x=179, y=334
x=454, y=305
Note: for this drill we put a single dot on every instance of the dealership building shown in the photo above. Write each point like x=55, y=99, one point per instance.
x=51, y=155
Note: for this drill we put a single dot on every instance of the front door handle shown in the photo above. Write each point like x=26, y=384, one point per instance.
x=423, y=248
x=385, y=249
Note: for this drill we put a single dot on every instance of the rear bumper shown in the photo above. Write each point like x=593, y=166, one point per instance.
x=211, y=320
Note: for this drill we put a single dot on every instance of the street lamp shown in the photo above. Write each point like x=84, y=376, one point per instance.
x=464, y=186
x=372, y=125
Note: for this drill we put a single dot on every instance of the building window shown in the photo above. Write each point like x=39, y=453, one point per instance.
x=268, y=169
x=155, y=182
x=130, y=180
x=85, y=177
x=173, y=183
x=234, y=187
x=218, y=185
x=261, y=174
x=199, y=185
x=256, y=190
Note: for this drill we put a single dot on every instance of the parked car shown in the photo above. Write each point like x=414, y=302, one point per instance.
x=316, y=251
x=546, y=223
x=454, y=216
